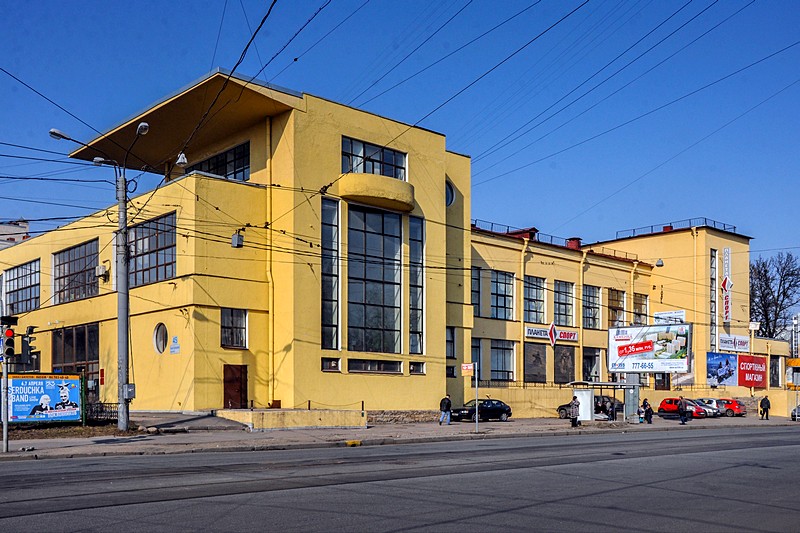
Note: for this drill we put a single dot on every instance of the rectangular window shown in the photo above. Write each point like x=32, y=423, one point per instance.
x=76, y=350
x=450, y=371
x=502, y=294
x=233, y=164
x=616, y=308
x=563, y=296
x=450, y=342
x=534, y=299
x=373, y=277
x=365, y=158
x=416, y=276
x=640, y=309
x=22, y=288
x=476, y=291
x=152, y=251
x=74, y=273
x=712, y=304
x=476, y=358
x=502, y=360
x=591, y=307
x=233, y=330
x=416, y=368
x=373, y=366
x=331, y=364
x=330, y=274
x=591, y=364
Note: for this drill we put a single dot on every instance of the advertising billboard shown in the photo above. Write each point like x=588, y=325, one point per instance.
x=752, y=371
x=721, y=369
x=44, y=398
x=662, y=348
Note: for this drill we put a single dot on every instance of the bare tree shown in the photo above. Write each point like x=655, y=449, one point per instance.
x=774, y=291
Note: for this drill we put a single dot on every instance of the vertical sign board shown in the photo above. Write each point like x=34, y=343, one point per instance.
x=753, y=371
x=44, y=398
x=727, y=283
x=650, y=348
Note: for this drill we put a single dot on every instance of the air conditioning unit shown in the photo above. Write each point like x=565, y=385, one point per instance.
x=101, y=271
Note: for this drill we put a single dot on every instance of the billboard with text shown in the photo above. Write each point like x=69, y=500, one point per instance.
x=661, y=348
x=44, y=398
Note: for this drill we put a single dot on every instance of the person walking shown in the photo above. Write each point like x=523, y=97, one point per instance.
x=765, y=405
x=445, y=406
x=682, y=407
x=648, y=411
x=574, y=411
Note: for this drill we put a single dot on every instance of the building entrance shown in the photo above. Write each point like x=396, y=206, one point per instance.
x=235, y=387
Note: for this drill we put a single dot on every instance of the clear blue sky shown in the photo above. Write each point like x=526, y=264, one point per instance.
x=728, y=152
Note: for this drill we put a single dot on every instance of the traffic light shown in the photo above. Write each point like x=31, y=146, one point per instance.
x=8, y=342
x=28, y=349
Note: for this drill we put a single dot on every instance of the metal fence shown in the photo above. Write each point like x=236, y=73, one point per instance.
x=101, y=412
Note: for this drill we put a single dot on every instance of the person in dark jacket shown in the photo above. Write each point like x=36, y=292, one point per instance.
x=574, y=411
x=683, y=407
x=764, y=405
x=648, y=411
x=445, y=407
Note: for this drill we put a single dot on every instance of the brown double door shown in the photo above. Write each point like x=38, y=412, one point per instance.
x=235, y=386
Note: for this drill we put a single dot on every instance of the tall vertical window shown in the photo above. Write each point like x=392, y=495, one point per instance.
x=502, y=360
x=475, y=357
x=233, y=164
x=416, y=238
x=639, y=309
x=330, y=274
x=233, y=328
x=616, y=308
x=563, y=296
x=476, y=291
x=534, y=299
x=152, y=250
x=373, y=278
x=591, y=307
x=74, y=277
x=502, y=295
x=76, y=350
x=366, y=158
x=712, y=304
x=450, y=342
x=22, y=288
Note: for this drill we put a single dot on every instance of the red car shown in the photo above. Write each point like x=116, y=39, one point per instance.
x=732, y=407
x=669, y=406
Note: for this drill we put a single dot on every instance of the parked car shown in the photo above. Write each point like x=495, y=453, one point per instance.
x=669, y=406
x=733, y=407
x=794, y=414
x=599, y=406
x=715, y=403
x=487, y=410
x=712, y=411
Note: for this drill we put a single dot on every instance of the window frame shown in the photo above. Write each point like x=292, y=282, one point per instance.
x=74, y=276
x=416, y=285
x=233, y=328
x=235, y=160
x=502, y=350
x=534, y=301
x=502, y=295
x=563, y=303
x=616, y=308
x=363, y=160
x=330, y=285
x=592, y=301
x=22, y=287
x=152, y=264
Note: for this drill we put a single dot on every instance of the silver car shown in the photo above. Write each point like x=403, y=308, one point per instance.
x=711, y=409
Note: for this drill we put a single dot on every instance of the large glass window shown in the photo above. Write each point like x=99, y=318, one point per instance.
x=502, y=360
x=712, y=304
x=502, y=295
x=233, y=330
x=616, y=308
x=330, y=274
x=534, y=299
x=373, y=366
x=373, y=277
x=22, y=288
x=74, y=276
x=475, y=358
x=76, y=350
x=233, y=164
x=366, y=158
x=476, y=291
x=563, y=296
x=450, y=342
x=591, y=307
x=639, y=309
x=152, y=250
x=416, y=237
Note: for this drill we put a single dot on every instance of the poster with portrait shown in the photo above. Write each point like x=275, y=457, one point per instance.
x=535, y=362
x=44, y=398
x=721, y=369
x=564, y=363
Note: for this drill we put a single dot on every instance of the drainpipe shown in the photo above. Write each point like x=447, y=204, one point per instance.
x=270, y=280
x=633, y=292
x=525, y=241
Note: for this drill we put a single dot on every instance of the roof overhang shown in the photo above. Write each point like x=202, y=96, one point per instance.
x=240, y=103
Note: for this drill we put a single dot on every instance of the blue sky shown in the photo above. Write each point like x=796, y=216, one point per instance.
x=621, y=115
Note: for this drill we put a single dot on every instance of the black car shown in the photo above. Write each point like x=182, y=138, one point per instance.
x=488, y=409
x=599, y=406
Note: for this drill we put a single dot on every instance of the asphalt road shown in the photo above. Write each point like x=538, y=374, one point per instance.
x=706, y=480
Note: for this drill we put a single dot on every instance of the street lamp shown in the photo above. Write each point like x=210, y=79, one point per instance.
x=125, y=391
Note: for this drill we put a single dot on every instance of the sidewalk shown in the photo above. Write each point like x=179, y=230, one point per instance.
x=190, y=433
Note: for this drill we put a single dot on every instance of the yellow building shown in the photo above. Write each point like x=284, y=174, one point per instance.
x=307, y=254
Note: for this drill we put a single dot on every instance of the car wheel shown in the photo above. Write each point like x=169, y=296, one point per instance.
x=473, y=417
x=562, y=413
x=504, y=417
x=729, y=412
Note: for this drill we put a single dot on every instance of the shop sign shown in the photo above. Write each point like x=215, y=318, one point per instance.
x=727, y=284
x=663, y=348
x=752, y=371
x=544, y=333
x=734, y=343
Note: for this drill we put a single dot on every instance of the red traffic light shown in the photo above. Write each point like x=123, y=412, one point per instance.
x=8, y=332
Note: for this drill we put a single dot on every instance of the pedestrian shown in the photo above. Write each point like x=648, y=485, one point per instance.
x=765, y=405
x=612, y=411
x=682, y=407
x=648, y=411
x=574, y=411
x=445, y=406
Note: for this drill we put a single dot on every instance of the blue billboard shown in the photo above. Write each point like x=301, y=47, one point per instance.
x=44, y=398
x=721, y=369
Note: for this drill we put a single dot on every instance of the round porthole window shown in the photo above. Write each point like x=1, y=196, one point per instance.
x=449, y=194
x=160, y=338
